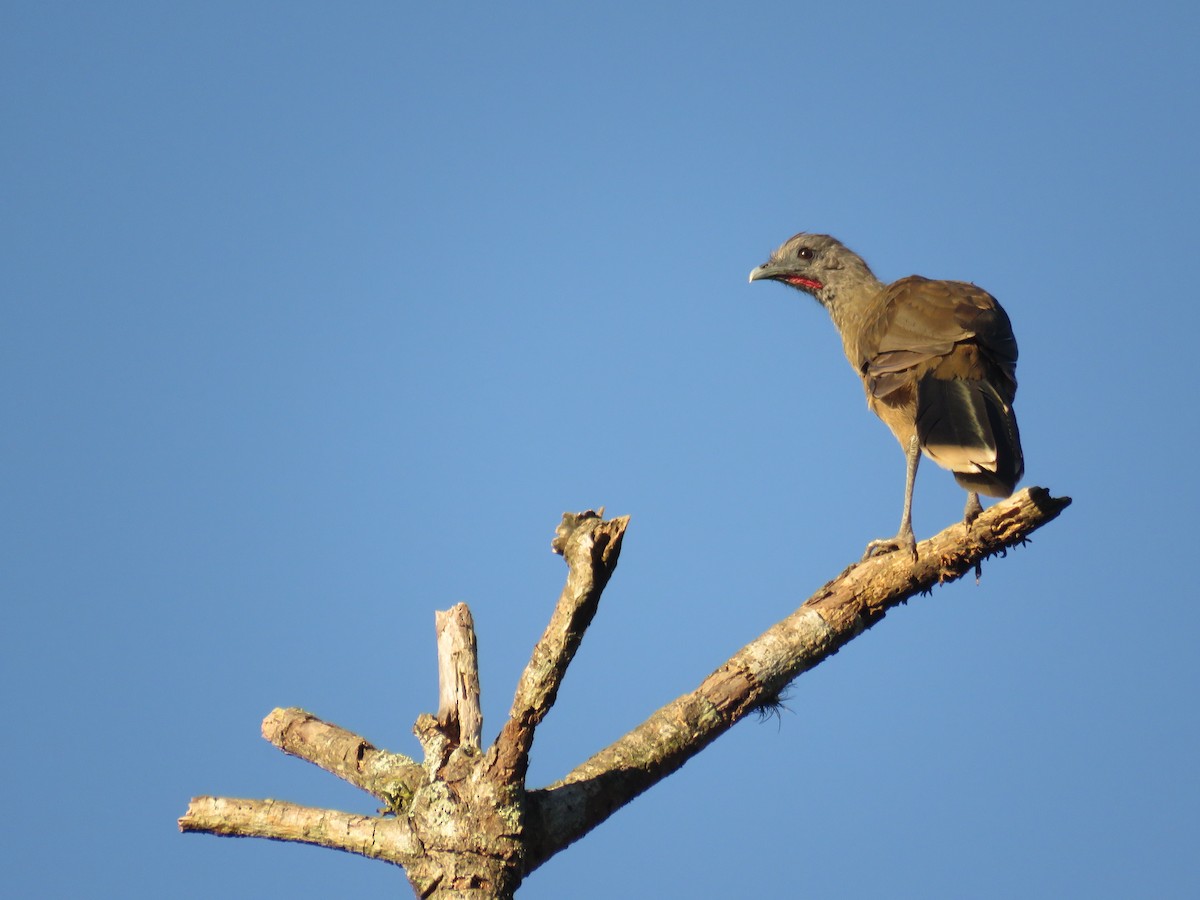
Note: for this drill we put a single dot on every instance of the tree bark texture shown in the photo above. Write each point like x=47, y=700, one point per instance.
x=462, y=822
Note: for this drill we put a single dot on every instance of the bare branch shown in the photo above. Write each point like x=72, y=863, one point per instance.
x=459, y=715
x=388, y=839
x=753, y=677
x=392, y=777
x=466, y=825
x=591, y=547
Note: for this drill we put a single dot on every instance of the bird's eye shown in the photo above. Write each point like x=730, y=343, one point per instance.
x=805, y=253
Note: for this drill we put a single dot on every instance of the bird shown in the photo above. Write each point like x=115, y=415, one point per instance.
x=937, y=360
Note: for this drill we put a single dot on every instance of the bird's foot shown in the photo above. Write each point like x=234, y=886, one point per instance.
x=902, y=541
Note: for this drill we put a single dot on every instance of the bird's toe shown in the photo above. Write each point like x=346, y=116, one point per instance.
x=901, y=541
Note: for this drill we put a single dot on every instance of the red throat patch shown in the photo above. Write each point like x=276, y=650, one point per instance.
x=810, y=283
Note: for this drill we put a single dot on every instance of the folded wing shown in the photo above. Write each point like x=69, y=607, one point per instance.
x=948, y=347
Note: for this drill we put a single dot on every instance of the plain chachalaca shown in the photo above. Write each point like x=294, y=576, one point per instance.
x=937, y=359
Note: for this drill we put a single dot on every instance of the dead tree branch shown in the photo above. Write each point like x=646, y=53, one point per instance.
x=459, y=715
x=388, y=839
x=591, y=547
x=390, y=777
x=465, y=824
x=755, y=675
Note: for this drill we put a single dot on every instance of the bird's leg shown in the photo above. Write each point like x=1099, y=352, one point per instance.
x=904, y=537
x=974, y=508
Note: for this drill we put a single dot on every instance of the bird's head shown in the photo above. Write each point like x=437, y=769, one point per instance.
x=817, y=264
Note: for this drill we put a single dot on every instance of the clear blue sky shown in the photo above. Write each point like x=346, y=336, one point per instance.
x=316, y=318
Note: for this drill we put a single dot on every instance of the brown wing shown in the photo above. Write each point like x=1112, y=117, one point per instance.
x=951, y=344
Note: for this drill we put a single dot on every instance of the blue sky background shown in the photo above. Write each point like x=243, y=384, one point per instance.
x=316, y=318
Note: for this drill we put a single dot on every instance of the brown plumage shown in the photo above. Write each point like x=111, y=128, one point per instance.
x=938, y=363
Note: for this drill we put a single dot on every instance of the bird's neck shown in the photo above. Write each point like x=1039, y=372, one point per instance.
x=850, y=299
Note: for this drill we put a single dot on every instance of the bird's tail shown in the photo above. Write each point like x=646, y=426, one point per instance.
x=964, y=425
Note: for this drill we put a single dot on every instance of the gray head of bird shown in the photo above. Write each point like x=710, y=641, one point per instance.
x=819, y=265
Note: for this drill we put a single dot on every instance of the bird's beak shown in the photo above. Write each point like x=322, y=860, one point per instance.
x=766, y=270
